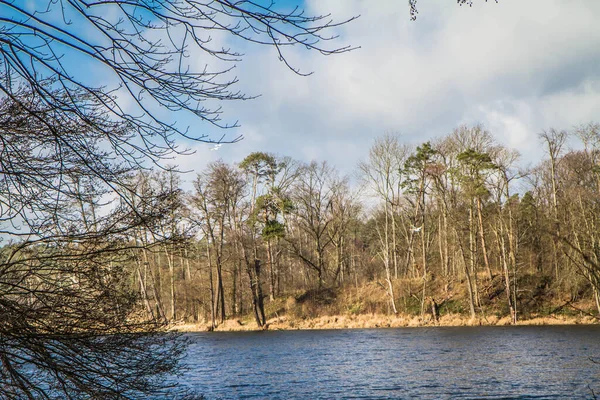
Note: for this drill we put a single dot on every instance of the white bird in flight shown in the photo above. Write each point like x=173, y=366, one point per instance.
x=217, y=146
x=415, y=229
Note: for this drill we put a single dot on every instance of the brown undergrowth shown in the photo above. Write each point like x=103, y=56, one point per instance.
x=368, y=306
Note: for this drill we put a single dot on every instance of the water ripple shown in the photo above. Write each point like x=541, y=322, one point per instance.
x=441, y=363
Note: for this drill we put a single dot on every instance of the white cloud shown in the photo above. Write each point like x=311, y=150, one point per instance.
x=517, y=67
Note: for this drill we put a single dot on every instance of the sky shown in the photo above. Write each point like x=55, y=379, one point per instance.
x=517, y=67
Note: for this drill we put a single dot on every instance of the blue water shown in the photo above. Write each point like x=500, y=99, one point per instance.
x=428, y=363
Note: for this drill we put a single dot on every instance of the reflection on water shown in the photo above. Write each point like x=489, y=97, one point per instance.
x=483, y=362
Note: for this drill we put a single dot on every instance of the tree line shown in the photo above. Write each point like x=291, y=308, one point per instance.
x=89, y=234
x=90, y=94
x=458, y=210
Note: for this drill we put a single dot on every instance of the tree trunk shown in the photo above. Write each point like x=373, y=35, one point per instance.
x=394, y=245
x=259, y=293
x=386, y=261
x=482, y=238
x=220, y=291
x=170, y=262
x=144, y=293
x=468, y=278
x=473, y=255
x=211, y=288
x=271, y=271
x=507, y=283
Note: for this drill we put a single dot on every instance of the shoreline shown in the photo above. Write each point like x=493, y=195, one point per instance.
x=374, y=321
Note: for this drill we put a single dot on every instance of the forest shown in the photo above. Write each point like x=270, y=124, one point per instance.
x=105, y=248
x=456, y=222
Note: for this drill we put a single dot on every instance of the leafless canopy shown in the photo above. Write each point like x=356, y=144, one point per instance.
x=145, y=61
x=414, y=12
x=67, y=313
x=90, y=91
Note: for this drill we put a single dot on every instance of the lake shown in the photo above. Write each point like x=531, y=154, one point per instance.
x=429, y=363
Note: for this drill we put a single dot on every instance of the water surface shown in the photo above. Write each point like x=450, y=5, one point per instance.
x=429, y=363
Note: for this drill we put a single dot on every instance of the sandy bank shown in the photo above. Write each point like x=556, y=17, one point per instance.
x=379, y=321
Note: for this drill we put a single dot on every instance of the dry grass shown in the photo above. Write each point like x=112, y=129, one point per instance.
x=365, y=321
x=368, y=306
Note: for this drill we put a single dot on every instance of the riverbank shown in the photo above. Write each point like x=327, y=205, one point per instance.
x=379, y=321
x=368, y=306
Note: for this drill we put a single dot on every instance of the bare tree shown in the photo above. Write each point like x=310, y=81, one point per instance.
x=382, y=173
x=346, y=212
x=216, y=196
x=505, y=230
x=412, y=4
x=555, y=141
x=148, y=54
x=68, y=147
x=64, y=295
x=312, y=214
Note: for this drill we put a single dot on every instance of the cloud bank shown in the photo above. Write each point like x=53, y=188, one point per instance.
x=516, y=67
